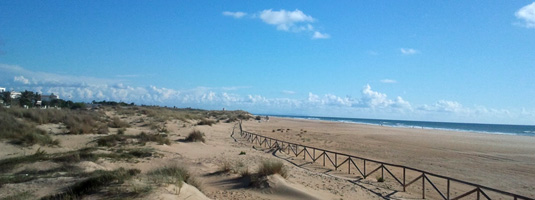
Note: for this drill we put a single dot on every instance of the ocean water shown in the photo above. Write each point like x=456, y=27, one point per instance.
x=527, y=130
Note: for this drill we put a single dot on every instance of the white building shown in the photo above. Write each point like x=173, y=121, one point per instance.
x=2, y=89
x=49, y=97
x=15, y=95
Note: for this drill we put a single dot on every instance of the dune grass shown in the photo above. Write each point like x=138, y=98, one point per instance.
x=204, y=121
x=142, y=139
x=20, y=196
x=174, y=174
x=99, y=179
x=195, y=136
x=115, y=122
x=270, y=167
x=20, y=132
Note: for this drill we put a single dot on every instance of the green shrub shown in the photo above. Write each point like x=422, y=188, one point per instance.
x=380, y=179
x=196, y=136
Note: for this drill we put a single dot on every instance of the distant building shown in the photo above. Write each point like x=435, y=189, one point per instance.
x=15, y=95
x=2, y=89
x=49, y=97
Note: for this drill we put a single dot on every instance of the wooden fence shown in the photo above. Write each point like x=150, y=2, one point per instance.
x=362, y=166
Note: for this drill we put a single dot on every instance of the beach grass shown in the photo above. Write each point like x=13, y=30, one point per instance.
x=196, y=136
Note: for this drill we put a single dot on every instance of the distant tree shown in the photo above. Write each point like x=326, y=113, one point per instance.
x=78, y=105
x=6, y=96
x=28, y=98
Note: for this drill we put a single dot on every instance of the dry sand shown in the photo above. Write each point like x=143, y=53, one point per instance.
x=503, y=162
x=204, y=161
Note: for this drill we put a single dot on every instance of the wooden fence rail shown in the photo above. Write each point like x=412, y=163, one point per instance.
x=338, y=160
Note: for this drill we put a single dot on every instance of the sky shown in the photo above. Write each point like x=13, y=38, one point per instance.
x=453, y=61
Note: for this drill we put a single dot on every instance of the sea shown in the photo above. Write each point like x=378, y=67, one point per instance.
x=506, y=129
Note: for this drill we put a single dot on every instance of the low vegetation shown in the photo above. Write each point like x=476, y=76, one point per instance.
x=176, y=175
x=22, y=133
x=115, y=122
x=380, y=179
x=95, y=182
x=27, y=127
x=141, y=139
x=270, y=167
x=10, y=163
x=208, y=122
x=196, y=136
x=161, y=139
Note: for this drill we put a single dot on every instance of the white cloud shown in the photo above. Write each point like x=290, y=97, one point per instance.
x=444, y=106
x=370, y=103
x=527, y=14
x=285, y=20
x=318, y=35
x=408, y=51
x=21, y=79
x=388, y=81
x=374, y=99
x=292, y=21
x=236, y=15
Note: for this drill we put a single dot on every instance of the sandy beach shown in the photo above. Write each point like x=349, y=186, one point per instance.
x=223, y=163
x=503, y=162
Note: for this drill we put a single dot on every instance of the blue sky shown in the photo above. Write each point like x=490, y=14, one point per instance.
x=460, y=61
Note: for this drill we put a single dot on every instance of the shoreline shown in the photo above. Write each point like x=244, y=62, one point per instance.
x=316, y=118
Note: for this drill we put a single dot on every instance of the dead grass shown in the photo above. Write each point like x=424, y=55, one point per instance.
x=195, y=136
x=173, y=175
x=118, y=123
x=204, y=121
x=22, y=133
x=142, y=139
x=270, y=167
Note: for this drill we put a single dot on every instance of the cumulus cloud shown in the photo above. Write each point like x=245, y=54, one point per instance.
x=369, y=103
x=369, y=100
x=236, y=15
x=527, y=15
x=329, y=100
x=291, y=21
x=318, y=35
x=388, y=81
x=21, y=79
x=285, y=20
x=444, y=106
x=408, y=51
